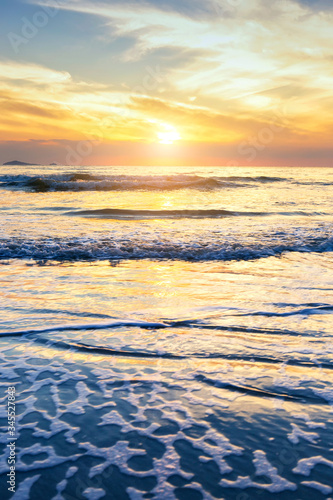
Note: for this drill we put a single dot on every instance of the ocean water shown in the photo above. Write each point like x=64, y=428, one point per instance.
x=168, y=332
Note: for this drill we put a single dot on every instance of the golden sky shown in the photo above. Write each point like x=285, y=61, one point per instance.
x=244, y=82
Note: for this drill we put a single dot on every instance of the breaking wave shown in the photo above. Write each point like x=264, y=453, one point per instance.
x=116, y=213
x=90, y=182
x=94, y=249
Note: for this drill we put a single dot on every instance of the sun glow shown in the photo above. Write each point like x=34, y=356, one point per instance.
x=169, y=135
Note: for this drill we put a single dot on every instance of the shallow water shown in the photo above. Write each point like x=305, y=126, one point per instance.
x=169, y=334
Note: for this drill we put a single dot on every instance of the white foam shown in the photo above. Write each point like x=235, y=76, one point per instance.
x=305, y=465
x=309, y=423
x=118, y=455
x=60, y=488
x=325, y=393
x=77, y=406
x=94, y=493
x=323, y=488
x=71, y=471
x=194, y=400
x=298, y=433
x=57, y=426
x=287, y=382
x=23, y=491
x=205, y=495
x=114, y=418
x=134, y=494
x=51, y=461
x=62, y=485
x=223, y=447
x=166, y=466
x=241, y=482
x=264, y=468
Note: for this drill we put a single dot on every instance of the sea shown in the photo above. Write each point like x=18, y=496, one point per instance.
x=166, y=333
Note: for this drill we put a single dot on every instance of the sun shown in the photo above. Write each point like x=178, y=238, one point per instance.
x=169, y=135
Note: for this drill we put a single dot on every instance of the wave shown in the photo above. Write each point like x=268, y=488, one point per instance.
x=147, y=325
x=157, y=351
x=113, y=249
x=86, y=326
x=322, y=309
x=127, y=214
x=89, y=182
x=132, y=353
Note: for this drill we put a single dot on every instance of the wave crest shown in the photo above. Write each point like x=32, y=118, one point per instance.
x=94, y=249
x=89, y=182
x=128, y=214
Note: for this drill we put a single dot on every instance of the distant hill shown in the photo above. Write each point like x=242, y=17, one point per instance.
x=24, y=164
x=20, y=163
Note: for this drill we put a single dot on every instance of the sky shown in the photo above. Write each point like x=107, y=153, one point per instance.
x=157, y=82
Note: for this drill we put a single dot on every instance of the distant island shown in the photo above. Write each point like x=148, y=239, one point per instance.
x=20, y=163
x=23, y=164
